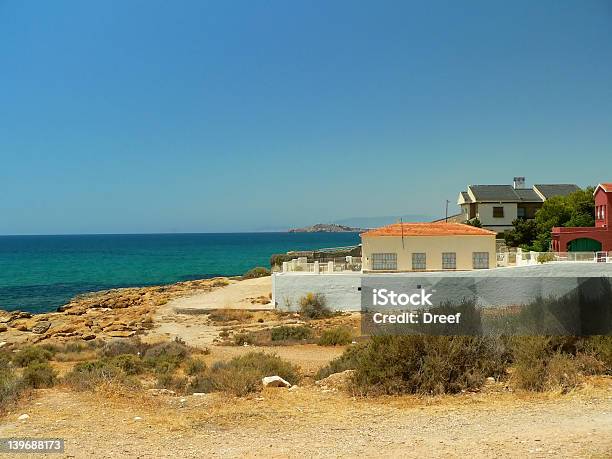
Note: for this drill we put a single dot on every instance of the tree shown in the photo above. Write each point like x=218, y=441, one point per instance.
x=575, y=209
x=523, y=233
x=474, y=222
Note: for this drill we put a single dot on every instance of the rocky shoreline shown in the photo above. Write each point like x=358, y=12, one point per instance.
x=117, y=313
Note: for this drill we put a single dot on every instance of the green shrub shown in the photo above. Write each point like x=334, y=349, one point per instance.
x=242, y=375
x=421, y=364
x=89, y=375
x=165, y=357
x=240, y=339
x=38, y=375
x=32, y=354
x=130, y=364
x=287, y=332
x=256, y=272
x=10, y=387
x=546, y=257
x=337, y=336
x=314, y=306
x=171, y=382
x=195, y=367
x=347, y=361
x=121, y=346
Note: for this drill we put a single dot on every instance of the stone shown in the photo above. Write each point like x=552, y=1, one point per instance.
x=336, y=380
x=89, y=337
x=137, y=418
x=122, y=333
x=23, y=417
x=292, y=388
x=41, y=327
x=275, y=381
x=3, y=328
x=3, y=343
x=161, y=392
x=199, y=394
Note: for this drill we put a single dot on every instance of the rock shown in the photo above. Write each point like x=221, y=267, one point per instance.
x=292, y=388
x=199, y=394
x=89, y=337
x=275, y=381
x=183, y=400
x=122, y=333
x=137, y=418
x=3, y=343
x=336, y=380
x=490, y=380
x=41, y=327
x=161, y=392
x=23, y=417
x=3, y=328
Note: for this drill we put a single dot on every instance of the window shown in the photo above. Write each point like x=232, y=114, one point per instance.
x=480, y=260
x=521, y=212
x=419, y=261
x=384, y=261
x=498, y=212
x=449, y=260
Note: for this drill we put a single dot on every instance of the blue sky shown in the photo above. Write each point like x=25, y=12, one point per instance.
x=157, y=116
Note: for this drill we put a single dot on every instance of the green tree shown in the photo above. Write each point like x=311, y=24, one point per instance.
x=575, y=209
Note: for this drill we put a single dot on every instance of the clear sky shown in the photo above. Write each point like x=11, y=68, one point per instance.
x=159, y=116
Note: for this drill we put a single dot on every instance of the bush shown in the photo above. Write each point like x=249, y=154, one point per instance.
x=286, y=332
x=256, y=272
x=130, y=364
x=32, y=354
x=10, y=387
x=314, y=306
x=347, y=361
x=171, y=382
x=562, y=372
x=240, y=339
x=195, y=367
x=421, y=364
x=89, y=375
x=39, y=375
x=242, y=375
x=546, y=257
x=123, y=346
x=337, y=336
x=228, y=315
x=165, y=357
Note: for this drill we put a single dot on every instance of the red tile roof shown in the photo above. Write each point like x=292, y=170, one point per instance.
x=607, y=187
x=428, y=229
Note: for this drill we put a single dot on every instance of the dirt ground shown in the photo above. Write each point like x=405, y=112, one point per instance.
x=309, y=422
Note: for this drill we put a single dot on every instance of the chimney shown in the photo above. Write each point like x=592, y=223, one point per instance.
x=519, y=183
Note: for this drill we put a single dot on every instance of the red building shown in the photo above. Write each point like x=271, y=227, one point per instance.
x=589, y=239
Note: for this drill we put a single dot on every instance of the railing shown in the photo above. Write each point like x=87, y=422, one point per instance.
x=523, y=258
x=334, y=265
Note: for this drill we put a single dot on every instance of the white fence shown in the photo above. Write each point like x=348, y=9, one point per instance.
x=337, y=265
x=521, y=258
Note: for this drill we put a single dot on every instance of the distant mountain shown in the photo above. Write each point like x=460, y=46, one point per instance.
x=375, y=222
x=326, y=228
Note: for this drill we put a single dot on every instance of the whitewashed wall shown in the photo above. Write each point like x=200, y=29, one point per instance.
x=340, y=290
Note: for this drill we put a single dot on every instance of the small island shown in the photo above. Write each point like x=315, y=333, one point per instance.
x=326, y=228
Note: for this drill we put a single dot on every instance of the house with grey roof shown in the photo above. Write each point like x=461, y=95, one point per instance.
x=497, y=206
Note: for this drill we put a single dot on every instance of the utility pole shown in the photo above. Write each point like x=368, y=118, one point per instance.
x=446, y=215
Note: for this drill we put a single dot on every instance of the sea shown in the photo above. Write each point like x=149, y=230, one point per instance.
x=41, y=273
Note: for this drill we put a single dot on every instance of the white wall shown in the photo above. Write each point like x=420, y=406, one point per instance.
x=484, y=213
x=340, y=290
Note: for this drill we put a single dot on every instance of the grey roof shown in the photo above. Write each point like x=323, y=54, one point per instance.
x=503, y=193
x=528, y=195
x=466, y=196
x=548, y=191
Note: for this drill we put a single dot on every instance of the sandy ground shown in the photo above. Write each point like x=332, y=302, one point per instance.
x=309, y=422
x=237, y=295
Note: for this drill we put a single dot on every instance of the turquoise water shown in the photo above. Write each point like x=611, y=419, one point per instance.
x=40, y=273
